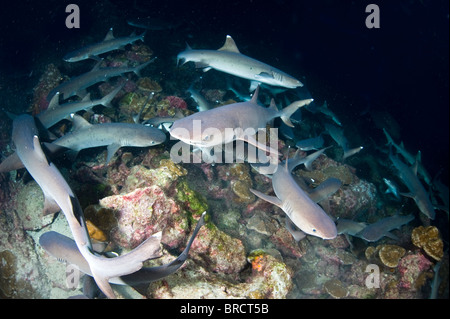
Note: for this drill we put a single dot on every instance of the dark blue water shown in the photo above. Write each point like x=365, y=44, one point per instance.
x=401, y=68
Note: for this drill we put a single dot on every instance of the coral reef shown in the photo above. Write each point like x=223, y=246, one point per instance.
x=142, y=213
x=390, y=255
x=270, y=278
x=429, y=239
x=412, y=269
x=336, y=288
x=50, y=79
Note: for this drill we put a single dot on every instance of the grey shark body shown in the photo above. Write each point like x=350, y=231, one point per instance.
x=415, y=187
x=381, y=228
x=57, y=112
x=338, y=136
x=310, y=144
x=326, y=111
x=202, y=103
x=78, y=84
x=230, y=122
x=65, y=249
x=113, y=135
x=108, y=44
x=411, y=159
x=298, y=206
x=228, y=59
x=59, y=196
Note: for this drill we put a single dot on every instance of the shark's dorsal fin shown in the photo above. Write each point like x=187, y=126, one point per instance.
x=38, y=149
x=54, y=102
x=79, y=122
x=254, y=99
x=271, y=199
x=229, y=45
x=109, y=35
x=97, y=66
x=86, y=98
x=112, y=149
x=273, y=105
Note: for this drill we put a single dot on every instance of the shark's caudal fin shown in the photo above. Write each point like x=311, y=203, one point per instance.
x=106, y=100
x=137, y=70
x=286, y=113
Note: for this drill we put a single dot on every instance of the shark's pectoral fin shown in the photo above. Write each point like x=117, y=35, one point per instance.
x=50, y=206
x=273, y=154
x=391, y=235
x=253, y=85
x=294, y=230
x=271, y=199
x=96, y=58
x=103, y=284
x=264, y=75
x=112, y=149
x=410, y=195
x=202, y=65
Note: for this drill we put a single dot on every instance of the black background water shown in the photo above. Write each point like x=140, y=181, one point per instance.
x=401, y=68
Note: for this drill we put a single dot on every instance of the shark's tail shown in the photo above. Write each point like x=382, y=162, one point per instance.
x=106, y=100
x=138, y=69
x=286, y=113
x=390, y=141
x=351, y=152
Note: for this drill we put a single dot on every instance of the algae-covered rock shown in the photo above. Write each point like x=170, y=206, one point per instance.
x=390, y=255
x=144, y=212
x=270, y=278
x=336, y=288
x=30, y=206
x=191, y=200
x=217, y=251
x=430, y=240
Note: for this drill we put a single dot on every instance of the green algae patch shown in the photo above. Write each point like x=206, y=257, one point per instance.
x=192, y=201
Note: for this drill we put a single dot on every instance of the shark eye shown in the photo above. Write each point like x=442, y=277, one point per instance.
x=314, y=230
x=208, y=138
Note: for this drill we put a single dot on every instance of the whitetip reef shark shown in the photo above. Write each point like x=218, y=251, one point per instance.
x=78, y=84
x=57, y=112
x=109, y=43
x=113, y=135
x=65, y=249
x=381, y=228
x=416, y=190
x=228, y=59
x=86, y=135
x=411, y=159
x=304, y=212
x=58, y=196
x=231, y=122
